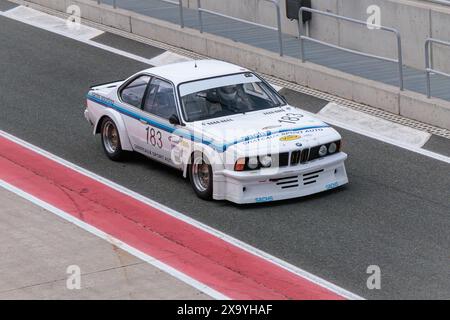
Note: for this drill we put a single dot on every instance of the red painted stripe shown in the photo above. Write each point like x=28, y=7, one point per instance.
x=216, y=263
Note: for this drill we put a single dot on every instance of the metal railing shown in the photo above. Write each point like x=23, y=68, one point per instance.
x=302, y=38
x=179, y=3
x=278, y=13
x=429, y=63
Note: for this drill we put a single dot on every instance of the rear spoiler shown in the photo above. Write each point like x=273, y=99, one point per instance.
x=104, y=84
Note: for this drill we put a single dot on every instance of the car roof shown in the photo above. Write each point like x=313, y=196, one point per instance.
x=195, y=70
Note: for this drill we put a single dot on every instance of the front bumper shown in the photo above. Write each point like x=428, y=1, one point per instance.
x=281, y=183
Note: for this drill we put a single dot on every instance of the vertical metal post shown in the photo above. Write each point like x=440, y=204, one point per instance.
x=114, y=4
x=200, y=17
x=427, y=66
x=181, y=14
x=300, y=34
x=280, y=33
x=400, y=60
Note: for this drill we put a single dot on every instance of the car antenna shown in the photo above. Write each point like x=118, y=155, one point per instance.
x=195, y=64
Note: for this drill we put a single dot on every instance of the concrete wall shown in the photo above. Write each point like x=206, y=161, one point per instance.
x=440, y=29
x=416, y=20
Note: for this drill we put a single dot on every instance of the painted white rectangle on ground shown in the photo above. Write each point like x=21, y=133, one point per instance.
x=51, y=23
x=363, y=121
x=168, y=58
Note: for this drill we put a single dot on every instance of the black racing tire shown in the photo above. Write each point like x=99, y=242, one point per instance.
x=201, y=176
x=111, y=140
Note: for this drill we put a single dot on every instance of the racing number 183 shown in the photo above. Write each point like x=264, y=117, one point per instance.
x=154, y=137
x=292, y=118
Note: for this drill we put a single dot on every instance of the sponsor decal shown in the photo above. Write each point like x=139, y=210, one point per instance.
x=257, y=140
x=313, y=130
x=102, y=98
x=332, y=186
x=211, y=123
x=273, y=112
x=290, y=137
x=264, y=199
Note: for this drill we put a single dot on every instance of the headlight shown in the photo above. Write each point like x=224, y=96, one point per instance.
x=253, y=163
x=266, y=161
x=323, y=151
x=332, y=148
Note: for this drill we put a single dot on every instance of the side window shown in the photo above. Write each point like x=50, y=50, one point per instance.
x=134, y=92
x=160, y=99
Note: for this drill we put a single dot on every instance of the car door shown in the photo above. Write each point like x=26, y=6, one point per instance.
x=131, y=100
x=158, y=106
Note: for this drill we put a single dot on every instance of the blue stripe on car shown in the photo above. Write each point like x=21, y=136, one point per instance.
x=218, y=147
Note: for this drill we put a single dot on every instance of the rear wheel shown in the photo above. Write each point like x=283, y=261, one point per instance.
x=200, y=174
x=111, y=140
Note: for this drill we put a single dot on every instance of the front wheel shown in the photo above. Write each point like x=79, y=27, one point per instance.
x=111, y=140
x=200, y=174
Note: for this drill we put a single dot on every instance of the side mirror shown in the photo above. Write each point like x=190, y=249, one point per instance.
x=174, y=120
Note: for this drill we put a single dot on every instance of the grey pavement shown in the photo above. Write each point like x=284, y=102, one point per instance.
x=438, y=144
x=37, y=247
x=134, y=47
x=6, y=5
x=395, y=212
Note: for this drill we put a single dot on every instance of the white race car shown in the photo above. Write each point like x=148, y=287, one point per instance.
x=223, y=126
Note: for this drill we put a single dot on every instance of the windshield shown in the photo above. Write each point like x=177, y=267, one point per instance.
x=224, y=96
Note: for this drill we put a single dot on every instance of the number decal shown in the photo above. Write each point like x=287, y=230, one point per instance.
x=154, y=137
x=292, y=118
x=159, y=140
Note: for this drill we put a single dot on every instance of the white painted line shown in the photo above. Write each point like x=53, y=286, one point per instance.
x=51, y=23
x=114, y=241
x=118, y=52
x=298, y=271
x=29, y=17
x=363, y=121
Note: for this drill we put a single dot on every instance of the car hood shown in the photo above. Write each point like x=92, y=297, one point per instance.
x=285, y=128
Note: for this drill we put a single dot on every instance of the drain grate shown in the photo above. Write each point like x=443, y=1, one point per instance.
x=279, y=82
